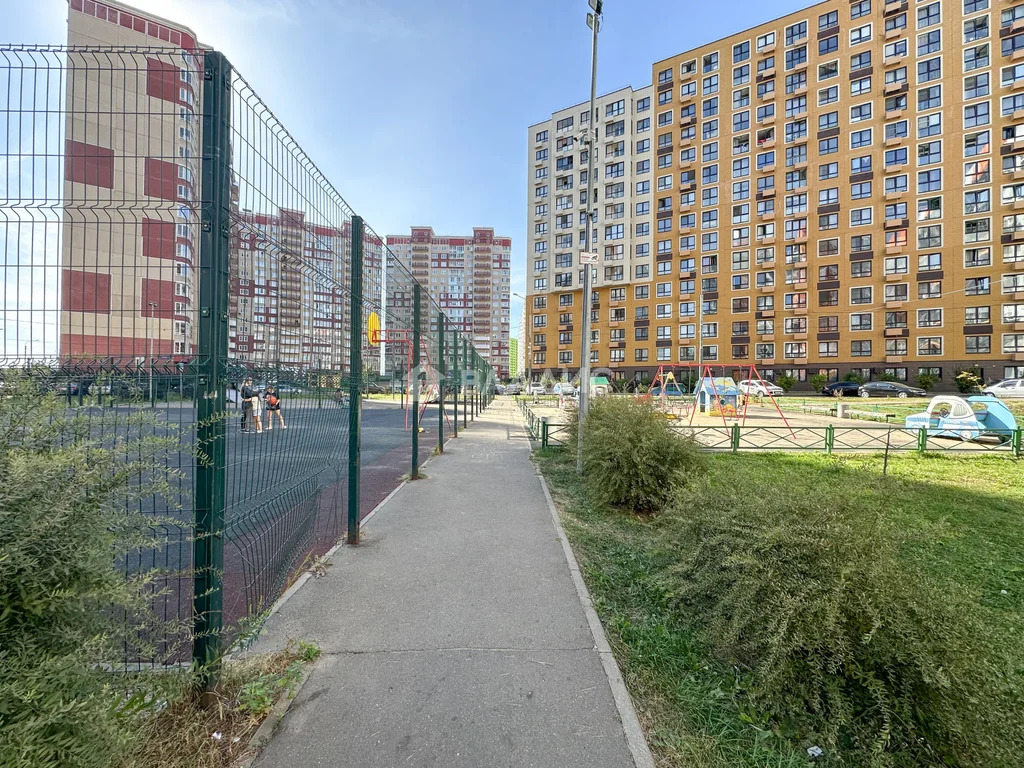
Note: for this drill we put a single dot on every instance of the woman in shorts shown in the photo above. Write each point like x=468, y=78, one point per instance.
x=273, y=406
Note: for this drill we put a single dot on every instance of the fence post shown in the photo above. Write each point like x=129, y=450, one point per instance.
x=922, y=440
x=455, y=385
x=735, y=438
x=210, y=478
x=440, y=382
x=830, y=438
x=1018, y=439
x=415, y=373
x=355, y=379
x=465, y=385
x=543, y=431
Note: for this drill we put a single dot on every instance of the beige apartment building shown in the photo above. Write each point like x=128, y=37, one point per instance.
x=557, y=205
x=841, y=189
x=468, y=278
x=131, y=178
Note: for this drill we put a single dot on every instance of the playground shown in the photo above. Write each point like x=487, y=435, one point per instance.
x=720, y=416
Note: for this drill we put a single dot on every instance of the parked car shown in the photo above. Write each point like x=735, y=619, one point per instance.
x=536, y=388
x=762, y=388
x=513, y=389
x=1007, y=388
x=499, y=389
x=889, y=389
x=850, y=388
x=288, y=389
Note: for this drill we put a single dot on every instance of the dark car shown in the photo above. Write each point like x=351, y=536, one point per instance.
x=846, y=387
x=889, y=389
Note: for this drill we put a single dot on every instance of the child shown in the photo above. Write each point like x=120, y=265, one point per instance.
x=273, y=406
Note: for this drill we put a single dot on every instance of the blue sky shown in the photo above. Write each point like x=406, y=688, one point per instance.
x=417, y=110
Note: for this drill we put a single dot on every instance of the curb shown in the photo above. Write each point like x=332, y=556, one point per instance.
x=266, y=730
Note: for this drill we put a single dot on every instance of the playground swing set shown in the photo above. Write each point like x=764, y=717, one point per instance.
x=716, y=396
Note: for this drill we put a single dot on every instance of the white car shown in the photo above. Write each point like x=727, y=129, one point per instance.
x=748, y=387
x=1007, y=388
x=536, y=388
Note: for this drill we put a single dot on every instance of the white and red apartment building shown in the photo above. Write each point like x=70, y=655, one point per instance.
x=468, y=279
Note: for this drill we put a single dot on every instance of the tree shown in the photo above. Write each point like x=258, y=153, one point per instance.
x=786, y=382
x=968, y=380
x=818, y=381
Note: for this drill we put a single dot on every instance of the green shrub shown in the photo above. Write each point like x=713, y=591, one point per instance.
x=64, y=519
x=632, y=459
x=835, y=640
x=886, y=376
x=818, y=381
x=786, y=382
x=968, y=381
x=926, y=381
x=855, y=377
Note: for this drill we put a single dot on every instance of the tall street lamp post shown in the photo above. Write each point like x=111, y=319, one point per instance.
x=594, y=22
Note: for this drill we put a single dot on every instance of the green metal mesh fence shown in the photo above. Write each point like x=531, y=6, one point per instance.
x=169, y=248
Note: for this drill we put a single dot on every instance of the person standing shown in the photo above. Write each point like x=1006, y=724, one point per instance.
x=273, y=406
x=257, y=410
x=247, y=394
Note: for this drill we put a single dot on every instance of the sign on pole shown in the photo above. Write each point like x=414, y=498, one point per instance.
x=588, y=257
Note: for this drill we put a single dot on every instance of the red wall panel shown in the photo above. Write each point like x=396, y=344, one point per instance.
x=161, y=179
x=85, y=291
x=88, y=164
x=160, y=292
x=157, y=239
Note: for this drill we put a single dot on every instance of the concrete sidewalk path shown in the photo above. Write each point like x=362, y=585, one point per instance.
x=454, y=635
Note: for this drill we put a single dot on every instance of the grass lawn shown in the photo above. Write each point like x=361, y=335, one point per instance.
x=970, y=512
